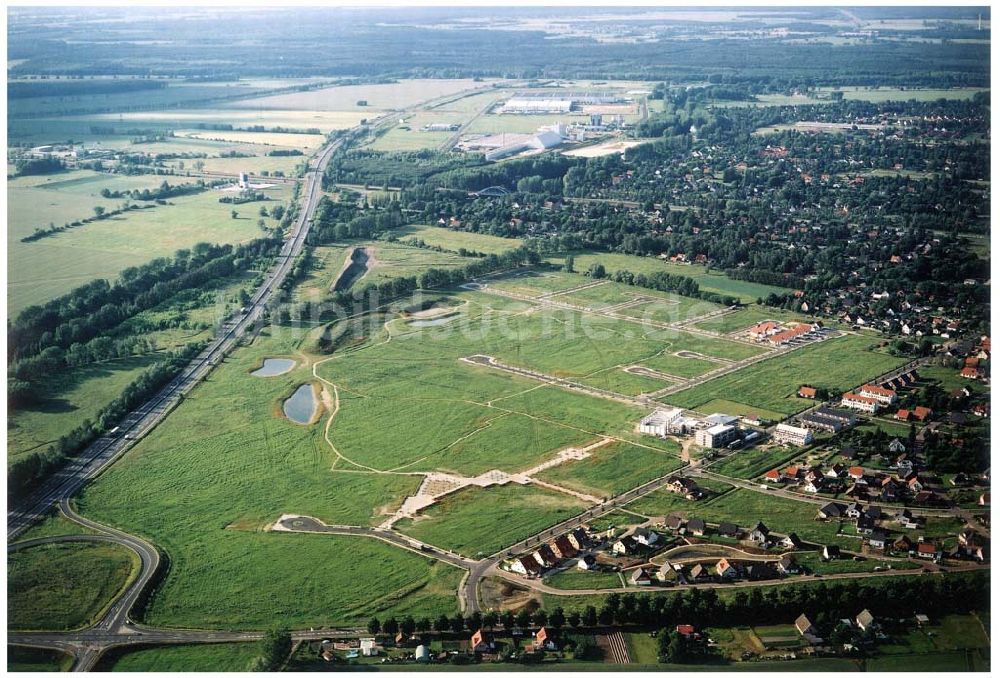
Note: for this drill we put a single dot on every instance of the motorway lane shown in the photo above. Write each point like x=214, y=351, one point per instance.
x=105, y=450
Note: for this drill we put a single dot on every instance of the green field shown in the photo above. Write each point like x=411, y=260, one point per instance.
x=708, y=281
x=738, y=409
x=235, y=657
x=77, y=394
x=664, y=502
x=753, y=461
x=575, y=578
x=480, y=521
x=533, y=283
x=837, y=364
x=54, y=524
x=667, y=308
x=65, y=585
x=101, y=249
x=394, y=260
x=618, y=380
x=747, y=316
x=36, y=660
x=612, y=469
x=746, y=507
x=453, y=240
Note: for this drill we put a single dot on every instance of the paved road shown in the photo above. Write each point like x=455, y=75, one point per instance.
x=108, y=448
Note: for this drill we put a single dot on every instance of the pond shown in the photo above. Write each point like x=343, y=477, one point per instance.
x=301, y=407
x=274, y=366
x=432, y=322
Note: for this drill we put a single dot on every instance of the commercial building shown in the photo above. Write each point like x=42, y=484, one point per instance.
x=719, y=435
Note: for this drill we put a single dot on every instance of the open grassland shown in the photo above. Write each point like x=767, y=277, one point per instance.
x=409, y=133
x=664, y=502
x=41, y=270
x=813, y=562
x=54, y=524
x=479, y=521
x=454, y=240
x=708, y=281
x=328, y=262
x=73, y=395
x=667, y=308
x=389, y=96
x=395, y=260
x=746, y=507
x=880, y=94
x=601, y=296
x=183, y=658
x=837, y=364
x=612, y=469
x=65, y=585
x=532, y=283
x=575, y=578
x=753, y=461
x=203, y=486
x=36, y=660
x=618, y=380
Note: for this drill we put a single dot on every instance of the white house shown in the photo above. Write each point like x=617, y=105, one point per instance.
x=786, y=433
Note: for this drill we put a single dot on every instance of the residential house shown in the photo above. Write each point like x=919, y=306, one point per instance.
x=482, y=642
x=578, y=538
x=696, y=526
x=698, y=573
x=885, y=396
x=773, y=476
x=860, y=403
x=906, y=519
x=791, y=473
x=587, y=562
x=545, y=556
x=928, y=550
x=831, y=511
x=645, y=536
x=673, y=523
x=760, y=572
x=856, y=473
x=685, y=630
x=543, y=640
x=729, y=530
x=640, y=577
x=563, y=548
x=902, y=545
x=865, y=524
x=865, y=620
x=624, y=546
x=921, y=413
x=787, y=565
x=668, y=573
x=725, y=569
x=813, y=486
x=896, y=446
x=807, y=392
x=791, y=541
x=804, y=626
x=526, y=565
x=759, y=534
x=831, y=552
x=878, y=538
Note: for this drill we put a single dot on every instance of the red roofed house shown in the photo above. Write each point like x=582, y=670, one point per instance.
x=685, y=629
x=856, y=472
x=970, y=372
x=764, y=330
x=921, y=413
x=903, y=415
x=773, y=476
x=792, y=472
x=926, y=549
x=807, y=392
x=859, y=402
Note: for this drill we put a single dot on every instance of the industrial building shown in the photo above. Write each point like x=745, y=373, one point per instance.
x=718, y=435
x=786, y=433
x=662, y=422
x=540, y=142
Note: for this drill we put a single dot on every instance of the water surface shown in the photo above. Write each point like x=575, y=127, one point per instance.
x=301, y=407
x=274, y=366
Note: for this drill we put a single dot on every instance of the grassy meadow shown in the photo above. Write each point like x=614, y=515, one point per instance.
x=839, y=364
x=36, y=660
x=235, y=657
x=477, y=521
x=612, y=469
x=453, y=240
x=62, y=586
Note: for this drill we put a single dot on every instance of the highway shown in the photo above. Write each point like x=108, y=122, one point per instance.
x=107, y=449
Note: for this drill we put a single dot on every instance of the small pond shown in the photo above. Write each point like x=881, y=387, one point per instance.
x=301, y=407
x=432, y=322
x=274, y=366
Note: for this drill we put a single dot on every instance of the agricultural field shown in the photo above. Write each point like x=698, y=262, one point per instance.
x=454, y=240
x=36, y=660
x=708, y=281
x=379, y=97
x=235, y=657
x=458, y=521
x=101, y=249
x=838, y=364
x=64, y=586
x=612, y=469
x=575, y=578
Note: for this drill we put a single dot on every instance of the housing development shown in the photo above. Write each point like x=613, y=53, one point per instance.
x=499, y=339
